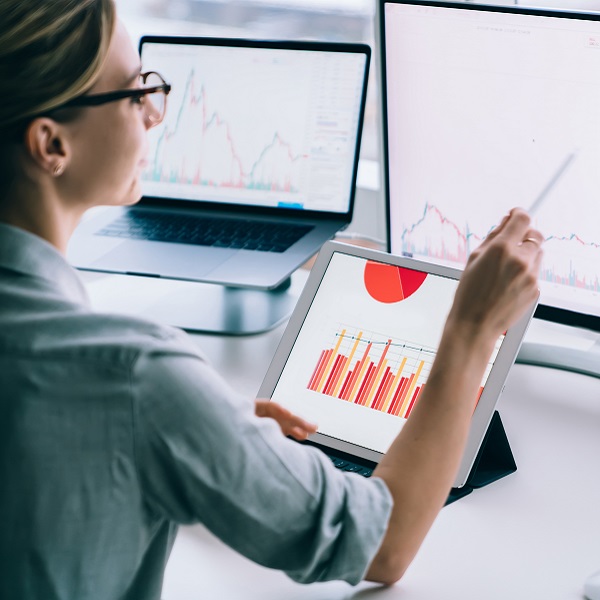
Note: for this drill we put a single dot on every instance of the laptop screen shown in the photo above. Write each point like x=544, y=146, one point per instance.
x=257, y=124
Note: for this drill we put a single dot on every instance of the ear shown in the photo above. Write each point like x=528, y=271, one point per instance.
x=47, y=145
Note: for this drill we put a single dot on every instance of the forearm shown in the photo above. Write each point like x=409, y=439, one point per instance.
x=498, y=284
x=421, y=464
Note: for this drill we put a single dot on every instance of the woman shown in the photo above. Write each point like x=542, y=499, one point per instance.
x=112, y=429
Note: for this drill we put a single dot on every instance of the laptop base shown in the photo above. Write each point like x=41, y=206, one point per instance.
x=494, y=461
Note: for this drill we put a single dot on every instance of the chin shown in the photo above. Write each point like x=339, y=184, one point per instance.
x=134, y=195
x=134, y=199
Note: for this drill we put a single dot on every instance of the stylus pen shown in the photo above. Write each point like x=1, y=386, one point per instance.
x=546, y=191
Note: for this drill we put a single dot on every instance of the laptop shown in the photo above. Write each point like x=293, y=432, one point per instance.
x=253, y=168
x=357, y=352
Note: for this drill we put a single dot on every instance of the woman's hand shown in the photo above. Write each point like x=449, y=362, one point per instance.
x=500, y=279
x=290, y=423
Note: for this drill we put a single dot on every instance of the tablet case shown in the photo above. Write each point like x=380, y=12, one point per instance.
x=493, y=461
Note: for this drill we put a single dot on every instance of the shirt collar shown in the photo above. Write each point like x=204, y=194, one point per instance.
x=25, y=253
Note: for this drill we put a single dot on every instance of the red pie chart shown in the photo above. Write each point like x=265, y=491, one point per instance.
x=388, y=283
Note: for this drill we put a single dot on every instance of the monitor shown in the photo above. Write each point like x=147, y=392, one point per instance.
x=488, y=107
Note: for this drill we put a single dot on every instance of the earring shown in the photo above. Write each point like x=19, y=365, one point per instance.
x=58, y=169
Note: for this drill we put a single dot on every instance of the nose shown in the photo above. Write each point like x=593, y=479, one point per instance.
x=148, y=122
x=152, y=114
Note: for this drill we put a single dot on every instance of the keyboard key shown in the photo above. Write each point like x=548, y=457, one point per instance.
x=206, y=231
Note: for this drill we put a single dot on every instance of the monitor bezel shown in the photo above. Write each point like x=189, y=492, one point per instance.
x=544, y=312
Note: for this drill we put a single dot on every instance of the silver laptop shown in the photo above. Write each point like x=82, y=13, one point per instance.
x=252, y=170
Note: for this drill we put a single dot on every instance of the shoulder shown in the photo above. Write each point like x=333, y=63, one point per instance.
x=131, y=337
x=79, y=335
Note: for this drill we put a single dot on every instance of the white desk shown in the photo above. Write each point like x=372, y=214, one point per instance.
x=532, y=535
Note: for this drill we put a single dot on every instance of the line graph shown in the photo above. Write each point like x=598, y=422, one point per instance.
x=569, y=259
x=259, y=126
x=199, y=146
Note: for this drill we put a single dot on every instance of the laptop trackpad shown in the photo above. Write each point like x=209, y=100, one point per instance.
x=180, y=261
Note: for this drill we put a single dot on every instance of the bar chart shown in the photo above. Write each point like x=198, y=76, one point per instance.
x=373, y=371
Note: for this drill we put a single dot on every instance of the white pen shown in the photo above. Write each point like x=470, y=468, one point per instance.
x=554, y=179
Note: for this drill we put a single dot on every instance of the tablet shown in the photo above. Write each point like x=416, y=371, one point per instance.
x=358, y=349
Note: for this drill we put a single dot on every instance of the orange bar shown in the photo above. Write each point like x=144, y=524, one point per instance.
x=381, y=367
x=335, y=375
x=416, y=396
x=367, y=384
x=331, y=377
x=347, y=365
x=345, y=384
x=411, y=389
x=403, y=397
x=389, y=396
x=314, y=375
x=386, y=392
x=358, y=373
x=364, y=384
x=321, y=383
x=370, y=392
x=397, y=401
x=387, y=379
x=328, y=353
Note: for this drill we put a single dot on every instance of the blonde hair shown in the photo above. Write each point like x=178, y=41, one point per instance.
x=50, y=51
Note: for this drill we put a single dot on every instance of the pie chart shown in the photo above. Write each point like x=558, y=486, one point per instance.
x=388, y=283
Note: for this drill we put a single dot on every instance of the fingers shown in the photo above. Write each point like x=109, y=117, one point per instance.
x=515, y=229
x=512, y=225
x=532, y=240
x=492, y=234
x=289, y=423
x=501, y=277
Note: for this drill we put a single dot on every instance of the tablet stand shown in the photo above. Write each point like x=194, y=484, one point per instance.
x=494, y=461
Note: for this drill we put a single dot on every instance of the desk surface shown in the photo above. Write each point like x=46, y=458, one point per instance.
x=532, y=535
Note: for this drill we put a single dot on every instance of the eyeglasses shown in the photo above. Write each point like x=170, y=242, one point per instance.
x=153, y=97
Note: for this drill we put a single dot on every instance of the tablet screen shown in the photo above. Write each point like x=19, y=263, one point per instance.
x=361, y=358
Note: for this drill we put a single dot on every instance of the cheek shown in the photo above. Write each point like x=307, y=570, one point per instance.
x=123, y=152
x=106, y=161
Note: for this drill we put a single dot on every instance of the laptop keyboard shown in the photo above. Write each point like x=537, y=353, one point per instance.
x=264, y=236
x=350, y=467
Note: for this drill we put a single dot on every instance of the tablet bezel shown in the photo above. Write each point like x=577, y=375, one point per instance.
x=492, y=391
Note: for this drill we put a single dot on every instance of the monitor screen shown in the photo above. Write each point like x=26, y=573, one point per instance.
x=486, y=108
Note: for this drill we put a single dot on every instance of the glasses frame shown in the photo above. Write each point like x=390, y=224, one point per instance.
x=105, y=98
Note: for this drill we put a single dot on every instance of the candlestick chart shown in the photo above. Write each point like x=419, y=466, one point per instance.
x=198, y=145
x=570, y=259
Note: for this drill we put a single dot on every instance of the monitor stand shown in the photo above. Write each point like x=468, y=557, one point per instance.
x=192, y=306
x=559, y=346
x=213, y=308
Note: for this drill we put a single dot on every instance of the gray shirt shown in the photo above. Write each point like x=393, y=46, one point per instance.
x=114, y=430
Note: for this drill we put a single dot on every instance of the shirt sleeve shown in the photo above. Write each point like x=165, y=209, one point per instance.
x=203, y=456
